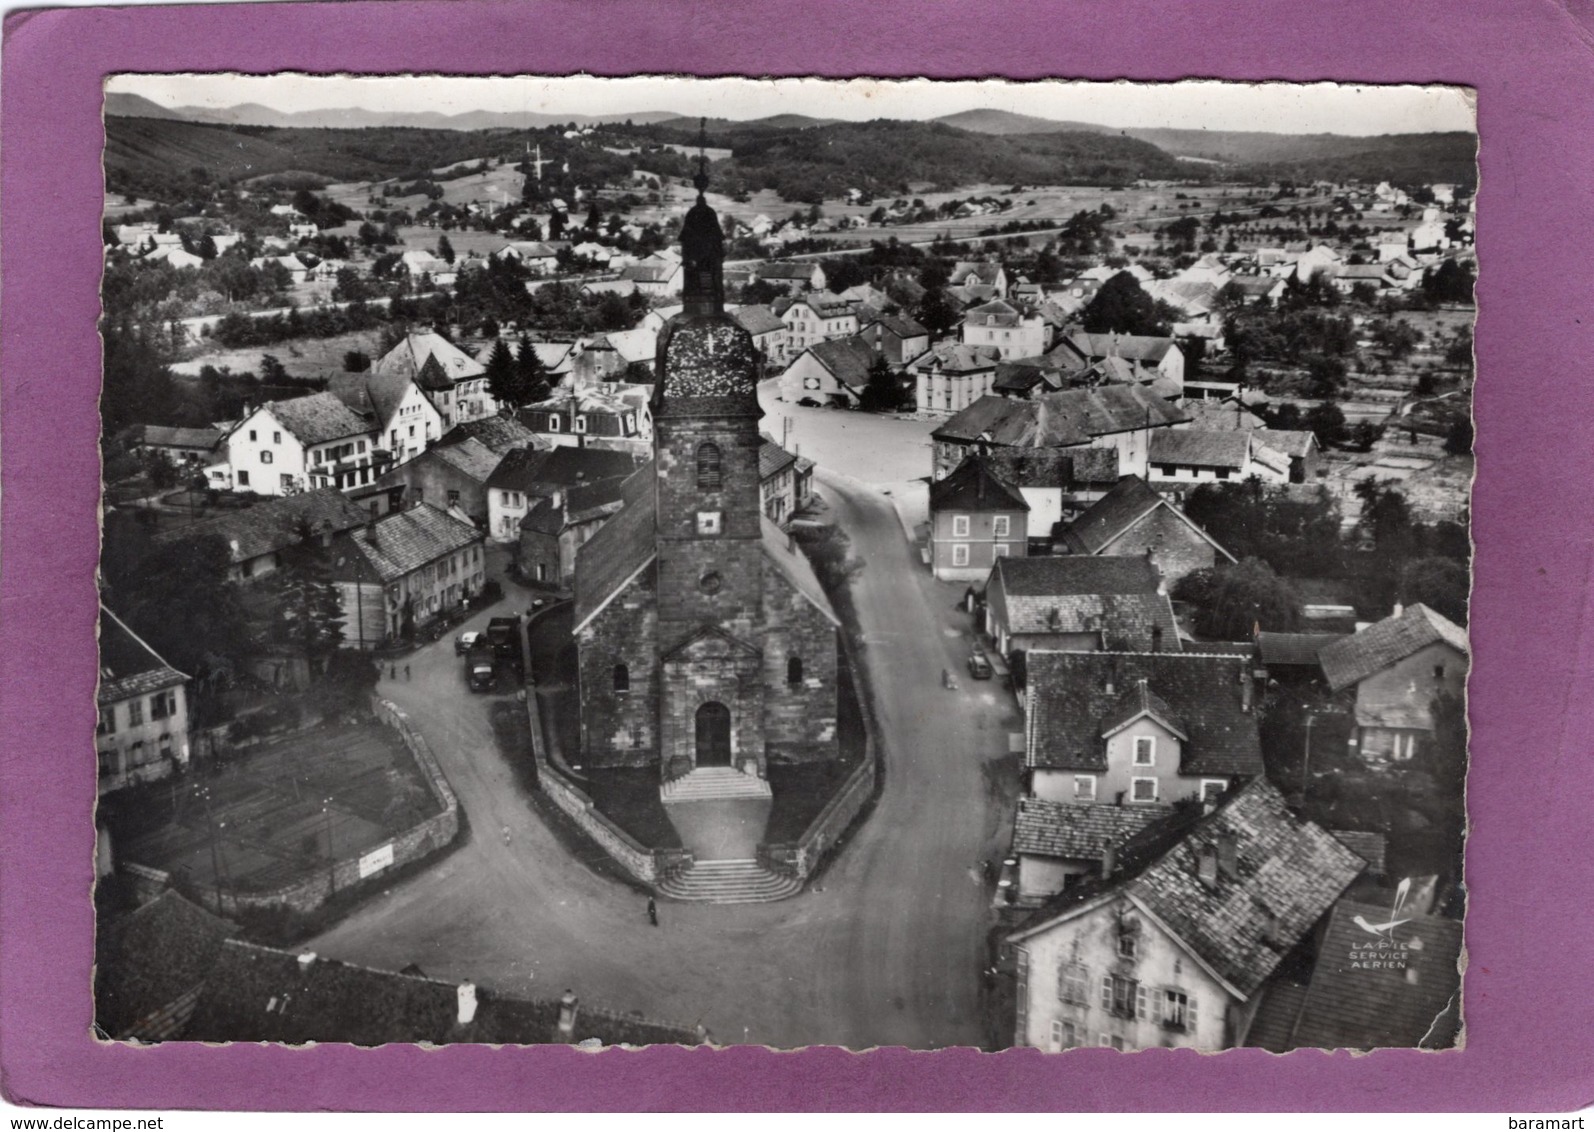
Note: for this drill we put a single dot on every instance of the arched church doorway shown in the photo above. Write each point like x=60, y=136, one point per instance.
x=713, y=735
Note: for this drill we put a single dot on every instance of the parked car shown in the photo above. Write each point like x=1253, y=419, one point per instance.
x=979, y=665
x=480, y=672
x=465, y=642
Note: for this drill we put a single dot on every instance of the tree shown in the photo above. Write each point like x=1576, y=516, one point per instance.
x=1442, y=584
x=532, y=374
x=1246, y=596
x=272, y=371
x=503, y=376
x=356, y=361
x=307, y=616
x=595, y=217
x=1120, y=306
x=1450, y=282
x=937, y=312
x=1458, y=440
x=1327, y=422
x=445, y=249
x=883, y=393
x=349, y=287
x=1363, y=436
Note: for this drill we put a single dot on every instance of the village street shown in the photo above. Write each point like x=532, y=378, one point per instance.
x=886, y=948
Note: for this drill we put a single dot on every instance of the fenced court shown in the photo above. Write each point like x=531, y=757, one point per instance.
x=285, y=810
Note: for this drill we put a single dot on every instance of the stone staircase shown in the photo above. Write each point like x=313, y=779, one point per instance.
x=729, y=882
x=709, y=783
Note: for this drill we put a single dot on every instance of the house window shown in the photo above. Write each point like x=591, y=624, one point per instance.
x=960, y=554
x=960, y=526
x=361, y=448
x=794, y=671
x=1223, y=473
x=553, y=423
x=1404, y=748
x=710, y=472
x=999, y=526
x=581, y=424
x=276, y=438
x=1212, y=789
x=107, y=725
x=453, y=498
x=1145, y=750
x=1073, y=984
x=265, y=457
x=1143, y=789
x=622, y=679
x=1178, y=1011
x=287, y=483
x=1065, y=1035
x=1001, y=550
x=107, y=763
x=1085, y=787
x=1123, y=998
x=1128, y=945
x=135, y=713
x=243, y=479
x=162, y=704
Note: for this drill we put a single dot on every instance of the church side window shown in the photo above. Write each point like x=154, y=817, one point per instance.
x=709, y=472
x=622, y=678
x=794, y=671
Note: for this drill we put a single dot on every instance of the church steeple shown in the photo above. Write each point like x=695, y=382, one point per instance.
x=702, y=246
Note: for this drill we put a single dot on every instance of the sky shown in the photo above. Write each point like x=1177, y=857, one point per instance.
x=1271, y=107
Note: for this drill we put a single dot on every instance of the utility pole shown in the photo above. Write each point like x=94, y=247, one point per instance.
x=1306, y=761
x=332, y=860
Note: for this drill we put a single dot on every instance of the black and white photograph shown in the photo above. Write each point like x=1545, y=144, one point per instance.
x=784, y=562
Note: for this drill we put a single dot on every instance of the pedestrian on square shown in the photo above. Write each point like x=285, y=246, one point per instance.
x=393, y=673
x=653, y=912
x=406, y=674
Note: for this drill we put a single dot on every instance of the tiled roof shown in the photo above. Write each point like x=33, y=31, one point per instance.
x=1021, y=377
x=1370, y=847
x=620, y=548
x=758, y=320
x=1064, y=574
x=560, y=466
x=1200, y=447
x=372, y=396
x=149, y=960
x=407, y=358
x=973, y=486
x=1061, y=420
x=257, y=994
x=794, y=566
x=270, y=525
x=318, y=418
x=1291, y=442
x=966, y=270
x=1140, y=702
x=1133, y=347
x=997, y=312
x=400, y=543
x=162, y=436
x=470, y=456
x=499, y=433
x=1214, y=415
x=772, y=458
x=847, y=359
x=432, y=377
x=650, y=272
x=1298, y=649
x=1118, y=512
x=1071, y=704
x=1251, y=286
x=128, y=666
x=1286, y=873
x=578, y=505
x=1076, y=830
x=1039, y=468
x=1351, y=659
x=1368, y=1006
x=901, y=325
x=955, y=357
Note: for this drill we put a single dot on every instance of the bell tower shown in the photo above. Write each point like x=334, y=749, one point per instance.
x=708, y=508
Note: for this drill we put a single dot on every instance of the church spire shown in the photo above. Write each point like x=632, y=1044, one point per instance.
x=702, y=246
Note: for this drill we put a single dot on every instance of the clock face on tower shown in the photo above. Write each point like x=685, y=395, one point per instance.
x=708, y=522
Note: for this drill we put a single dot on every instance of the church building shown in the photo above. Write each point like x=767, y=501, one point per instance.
x=705, y=640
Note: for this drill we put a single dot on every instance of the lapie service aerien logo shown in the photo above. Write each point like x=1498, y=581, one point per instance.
x=1383, y=951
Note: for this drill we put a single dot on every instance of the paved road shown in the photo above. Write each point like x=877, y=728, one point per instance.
x=885, y=950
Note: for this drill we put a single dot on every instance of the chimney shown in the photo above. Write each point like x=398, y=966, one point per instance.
x=1109, y=860
x=1245, y=691
x=1156, y=639
x=1398, y=610
x=467, y=1003
x=567, y=1016
x=1226, y=856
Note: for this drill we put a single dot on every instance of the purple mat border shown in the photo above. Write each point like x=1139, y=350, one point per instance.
x=1529, y=1030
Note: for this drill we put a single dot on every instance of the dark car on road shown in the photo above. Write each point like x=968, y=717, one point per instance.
x=465, y=642
x=480, y=671
x=979, y=665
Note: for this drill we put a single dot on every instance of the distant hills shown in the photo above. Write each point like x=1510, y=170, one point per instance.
x=348, y=118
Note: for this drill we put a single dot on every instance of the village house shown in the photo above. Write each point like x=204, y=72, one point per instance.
x=829, y=373
x=1124, y=417
x=526, y=474
x=1057, y=485
x=453, y=473
x=150, y=965
x=794, y=277
x=1150, y=357
x=992, y=275
x=975, y=519
x=1061, y=844
x=1132, y=519
x=398, y=573
x=653, y=277
x=284, y=447
x=1348, y=276
x=455, y=382
x=142, y=733
x=296, y=271
x=897, y=338
x=186, y=447
x=1267, y=289
x=612, y=415
x=1398, y=667
x=401, y=414
x=1180, y=457
x=421, y=265
x=1360, y=995
x=950, y=376
x=786, y=481
x=257, y=535
x=535, y=256
x=813, y=319
x=1004, y=328
x=768, y=331
x=1079, y=605
x=1174, y=947
x=1293, y=659
x=555, y=527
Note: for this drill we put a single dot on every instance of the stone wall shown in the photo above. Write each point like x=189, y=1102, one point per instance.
x=799, y=719
x=619, y=728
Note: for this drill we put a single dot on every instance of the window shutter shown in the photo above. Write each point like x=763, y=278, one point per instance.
x=1106, y=992
x=1057, y=1035
x=1140, y=1002
x=1189, y=1014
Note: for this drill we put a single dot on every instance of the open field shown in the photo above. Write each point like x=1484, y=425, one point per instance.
x=301, y=357
x=267, y=818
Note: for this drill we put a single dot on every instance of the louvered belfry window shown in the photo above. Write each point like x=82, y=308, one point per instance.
x=709, y=471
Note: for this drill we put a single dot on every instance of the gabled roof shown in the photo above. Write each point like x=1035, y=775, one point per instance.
x=375, y=397
x=1140, y=702
x=1120, y=511
x=1352, y=659
x=1276, y=650
x=1287, y=872
x=128, y=666
x=1370, y=847
x=650, y=272
x=149, y=959
x=965, y=271
x=1039, y=468
x=272, y=524
x=772, y=458
x=501, y=434
x=848, y=360
x=1205, y=448
x=794, y=566
x=400, y=543
x=469, y=456
x=1078, y=830
x=1291, y=442
x=997, y=312
x=1061, y=420
x=261, y=994
x=580, y=504
x=955, y=357
x=900, y=325
x=1213, y=415
x=1059, y=575
x=1412, y=1003
x=317, y=419
x=410, y=355
x=973, y=486
x=758, y=319
x=1134, y=347
x=1073, y=695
